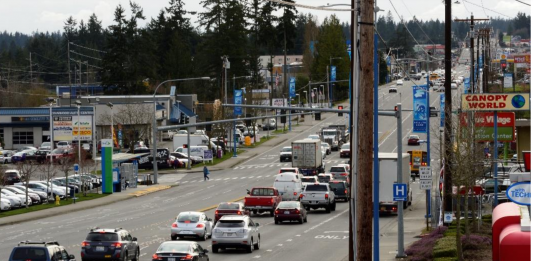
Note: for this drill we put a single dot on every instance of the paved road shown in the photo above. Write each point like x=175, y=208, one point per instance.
x=149, y=217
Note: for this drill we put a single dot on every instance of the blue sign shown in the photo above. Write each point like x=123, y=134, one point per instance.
x=312, y=47
x=333, y=77
x=292, y=87
x=467, y=84
x=520, y=193
x=420, y=107
x=399, y=192
x=208, y=154
x=349, y=47
x=76, y=167
x=237, y=94
x=388, y=60
x=442, y=110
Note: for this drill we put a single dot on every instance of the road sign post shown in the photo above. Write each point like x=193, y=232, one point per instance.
x=399, y=192
x=426, y=182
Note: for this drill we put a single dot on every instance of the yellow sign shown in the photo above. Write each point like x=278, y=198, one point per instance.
x=503, y=56
x=495, y=102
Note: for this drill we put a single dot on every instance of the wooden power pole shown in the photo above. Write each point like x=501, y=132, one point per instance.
x=364, y=146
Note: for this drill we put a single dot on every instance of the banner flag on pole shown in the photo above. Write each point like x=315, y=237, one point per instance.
x=420, y=119
x=237, y=94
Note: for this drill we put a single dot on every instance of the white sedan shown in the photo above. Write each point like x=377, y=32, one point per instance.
x=399, y=82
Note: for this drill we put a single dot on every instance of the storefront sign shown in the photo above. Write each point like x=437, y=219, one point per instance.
x=33, y=119
x=508, y=80
x=520, y=193
x=484, y=125
x=522, y=59
x=495, y=102
x=70, y=128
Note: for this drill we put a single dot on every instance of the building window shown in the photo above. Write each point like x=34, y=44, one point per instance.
x=23, y=137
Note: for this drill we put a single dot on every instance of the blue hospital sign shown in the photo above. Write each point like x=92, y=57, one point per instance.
x=399, y=192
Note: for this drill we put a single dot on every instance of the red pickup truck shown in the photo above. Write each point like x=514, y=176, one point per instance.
x=262, y=199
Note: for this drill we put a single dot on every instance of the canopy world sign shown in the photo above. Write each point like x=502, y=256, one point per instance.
x=495, y=102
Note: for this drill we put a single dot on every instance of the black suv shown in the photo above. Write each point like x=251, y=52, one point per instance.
x=109, y=244
x=341, y=189
x=40, y=251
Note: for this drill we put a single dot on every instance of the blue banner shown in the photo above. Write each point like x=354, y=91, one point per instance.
x=292, y=87
x=420, y=118
x=349, y=47
x=333, y=73
x=442, y=110
x=467, y=84
x=237, y=94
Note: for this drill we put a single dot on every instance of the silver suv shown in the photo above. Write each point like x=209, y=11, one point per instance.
x=234, y=231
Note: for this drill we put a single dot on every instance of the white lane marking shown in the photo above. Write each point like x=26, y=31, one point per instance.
x=298, y=235
x=289, y=240
x=345, y=231
x=235, y=177
x=193, y=181
x=259, y=176
x=280, y=245
x=257, y=256
x=326, y=221
x=243, y=177
x=269, y=250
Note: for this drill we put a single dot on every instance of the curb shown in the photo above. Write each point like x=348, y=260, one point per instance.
x=149, y=190
x=60, y=211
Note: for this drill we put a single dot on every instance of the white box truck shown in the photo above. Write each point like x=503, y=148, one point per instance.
x=388, y=176
x=307, y=156
x=195, y=140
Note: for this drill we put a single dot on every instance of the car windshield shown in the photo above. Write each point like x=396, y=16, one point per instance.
x=11, y=174
x=289, y=204
x=45, y=144
x=263, y=192
x=228, y=206
x=100, y=236
x=174, y=247
x=325, y=145
x=346, y=146
x=330, y=133
x=287, y=170
x=188, y=217
x=307, y=179
x=230, y=223
x=324, y=179
x=30, y=253
x=316, y=187
x=413, y=137
x=286, y=149
x=337, y=169
x=337, y=185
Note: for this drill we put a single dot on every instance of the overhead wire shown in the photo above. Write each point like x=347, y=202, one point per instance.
x=87, y=48
x=416, y=21
x=523, y=2
x=487, y=9
x=86, y=56
x=310, y=7
x=483, y=6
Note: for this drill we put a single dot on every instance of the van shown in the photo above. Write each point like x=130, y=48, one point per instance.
x=289, y=185
x=197, y=151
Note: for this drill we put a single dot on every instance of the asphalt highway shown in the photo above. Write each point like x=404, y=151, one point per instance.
x=324, y=237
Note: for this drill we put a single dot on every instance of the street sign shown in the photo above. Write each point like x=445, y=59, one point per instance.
x=426, y=184
x=208, y=155
x=399, y=192
x=76, y=167
x=425, y=173
x=448, y=217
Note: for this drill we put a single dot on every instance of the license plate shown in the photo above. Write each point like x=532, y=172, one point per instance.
x=230, y=234
x=287, y=212
x=382, y=208
x=100, y=248
x=171, y=259
x=107, y=256
x=186, y=232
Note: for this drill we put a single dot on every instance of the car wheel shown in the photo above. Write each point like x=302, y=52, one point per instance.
x=272, y=213
x=125, y=256
x=305, y=219
x=215, y=249
x=334, y=207
x=256, y=245
x=328, y=209
x=204, y=237
x=250, y=248
x=301, y=220
x=276, y=221
x=136, y=258
x=255, y=212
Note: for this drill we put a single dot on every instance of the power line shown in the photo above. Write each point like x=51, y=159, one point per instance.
x=94, y=66
x=416, y=21
x=487, y=9
x=87, y=48
x=484, y=8
x=309, y=6
x=523, y=2
x=87, y=56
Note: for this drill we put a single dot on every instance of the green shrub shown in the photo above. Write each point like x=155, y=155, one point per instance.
x=445, y=247
x=445, y=259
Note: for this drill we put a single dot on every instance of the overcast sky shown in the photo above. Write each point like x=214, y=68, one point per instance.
x=29, y=16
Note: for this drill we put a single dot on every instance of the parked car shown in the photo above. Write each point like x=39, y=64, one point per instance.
x=5, y=156
x=262, y=199
x=16, y=201
x=22, y=155
x=64, y=144
x=45, y=146
x=182, y=250
x=289, y=211
x=40, y=251
x=5, y=204
x=58, y=154
x=413, y=140
x=191, y=224
x=42, y=195
x=11, y=176
x=35, y=199
x=230, y=208
x=236, y=232
x=39, y=156
x=453, y=86
x=104, y=243
x=25, y=201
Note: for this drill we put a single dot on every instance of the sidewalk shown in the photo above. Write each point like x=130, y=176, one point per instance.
x=142, y=190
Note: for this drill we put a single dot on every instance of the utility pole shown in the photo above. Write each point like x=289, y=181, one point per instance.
x=68, y=58
x=364, y=145
x=31, y=71
x=285, y=87
x=448, y=105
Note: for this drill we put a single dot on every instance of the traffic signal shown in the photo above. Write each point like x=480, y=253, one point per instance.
x=186, y=119
x=504, y=67
x=340, y=107
x=182, y=117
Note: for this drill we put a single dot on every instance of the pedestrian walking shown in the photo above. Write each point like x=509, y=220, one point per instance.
x=206, y=173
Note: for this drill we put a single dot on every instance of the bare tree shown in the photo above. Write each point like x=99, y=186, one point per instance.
x=27, y=169
x=65, y=165
x=49, y=172
x=86, y=166
x=136, y=120
x=2, y=178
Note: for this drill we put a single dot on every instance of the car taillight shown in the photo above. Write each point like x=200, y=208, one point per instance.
x=345, y=191
x=301, y=195
x=200, y=225
x=84, y=244
x=216, y=212
x=295, y=193
x=277, y=211
x=155, y=256
x=116, y=244
x=326, y=196
x=314, y=171
x=410, y=163
x=297, y=211
x=187, y=257
x=272, y=200
x=174, y=224
x=239, y=213
x=344, y=174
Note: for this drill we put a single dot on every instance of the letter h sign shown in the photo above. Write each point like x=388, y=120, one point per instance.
x=399, y=192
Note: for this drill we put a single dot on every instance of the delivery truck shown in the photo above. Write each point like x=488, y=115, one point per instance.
x=307, y=156
x=388, y=163
x=195, y=140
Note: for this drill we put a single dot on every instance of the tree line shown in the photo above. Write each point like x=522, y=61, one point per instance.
x=131, y=59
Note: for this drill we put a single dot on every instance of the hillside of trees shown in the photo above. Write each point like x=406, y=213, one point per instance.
x=133, y=59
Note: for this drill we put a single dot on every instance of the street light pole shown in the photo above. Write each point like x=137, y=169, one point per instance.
x=298, y=118
x=154, y=123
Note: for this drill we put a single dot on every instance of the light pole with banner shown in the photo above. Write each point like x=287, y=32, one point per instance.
x=154, y=123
